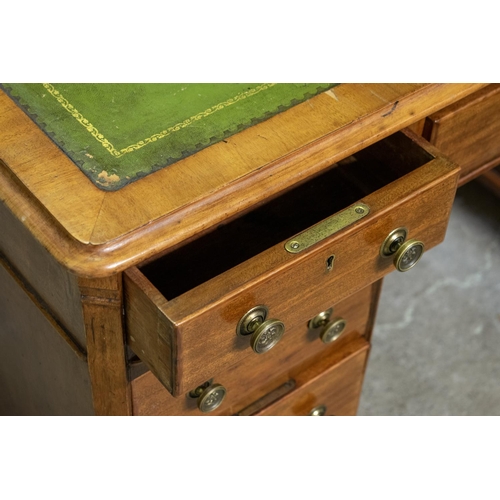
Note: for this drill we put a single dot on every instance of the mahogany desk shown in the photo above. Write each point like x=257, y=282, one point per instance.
x=170, y=295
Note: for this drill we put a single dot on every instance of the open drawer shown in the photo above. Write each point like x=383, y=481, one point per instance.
x=184, y=310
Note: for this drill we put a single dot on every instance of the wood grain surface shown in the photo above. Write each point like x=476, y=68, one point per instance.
x=335, y=386
x=102, y=310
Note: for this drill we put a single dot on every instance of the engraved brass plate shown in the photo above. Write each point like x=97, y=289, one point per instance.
x=326, y=228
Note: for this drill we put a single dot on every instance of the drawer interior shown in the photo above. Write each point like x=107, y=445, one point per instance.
x=338, y=187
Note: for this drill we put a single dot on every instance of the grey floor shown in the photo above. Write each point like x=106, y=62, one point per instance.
x=436, y=343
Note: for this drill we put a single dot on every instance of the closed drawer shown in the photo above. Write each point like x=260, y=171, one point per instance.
x=257, y=376
x=182, y=310
x=324, y=389
x=468, y=132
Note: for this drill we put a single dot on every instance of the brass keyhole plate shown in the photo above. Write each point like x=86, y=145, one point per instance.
x=327, y=227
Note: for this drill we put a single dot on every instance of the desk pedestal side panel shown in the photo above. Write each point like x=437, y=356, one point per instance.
x=53, y=283
x=39, y=373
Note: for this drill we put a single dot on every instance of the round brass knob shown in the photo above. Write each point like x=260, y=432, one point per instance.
x=267, y=335
x=408, y=255
x=333, y=330
x=320, y=319
x=211, y=398
x=318, y=411
x=251, y=320
x=393, y=241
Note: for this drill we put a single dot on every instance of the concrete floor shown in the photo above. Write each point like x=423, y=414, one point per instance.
x=436, y=343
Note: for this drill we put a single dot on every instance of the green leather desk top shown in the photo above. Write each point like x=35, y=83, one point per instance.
x=118, y=133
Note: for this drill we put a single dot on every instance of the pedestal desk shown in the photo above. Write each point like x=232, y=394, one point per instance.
x=242, y=279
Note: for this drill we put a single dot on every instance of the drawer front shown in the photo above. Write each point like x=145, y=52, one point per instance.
x=257, y=376
x=190, y=338
x=324, y=390
x=468, y=132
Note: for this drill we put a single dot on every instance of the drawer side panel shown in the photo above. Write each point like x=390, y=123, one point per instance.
x=149, y=333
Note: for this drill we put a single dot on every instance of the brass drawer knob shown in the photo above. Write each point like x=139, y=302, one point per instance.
x=408, y=255
x=320, y=319
x=211, y=398
x=265, y=333
x=393, y=241
x=318, y=411
x=333, y=330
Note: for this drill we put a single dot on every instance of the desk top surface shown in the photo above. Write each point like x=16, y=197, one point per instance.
x=118, y=133
x=96, y=232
